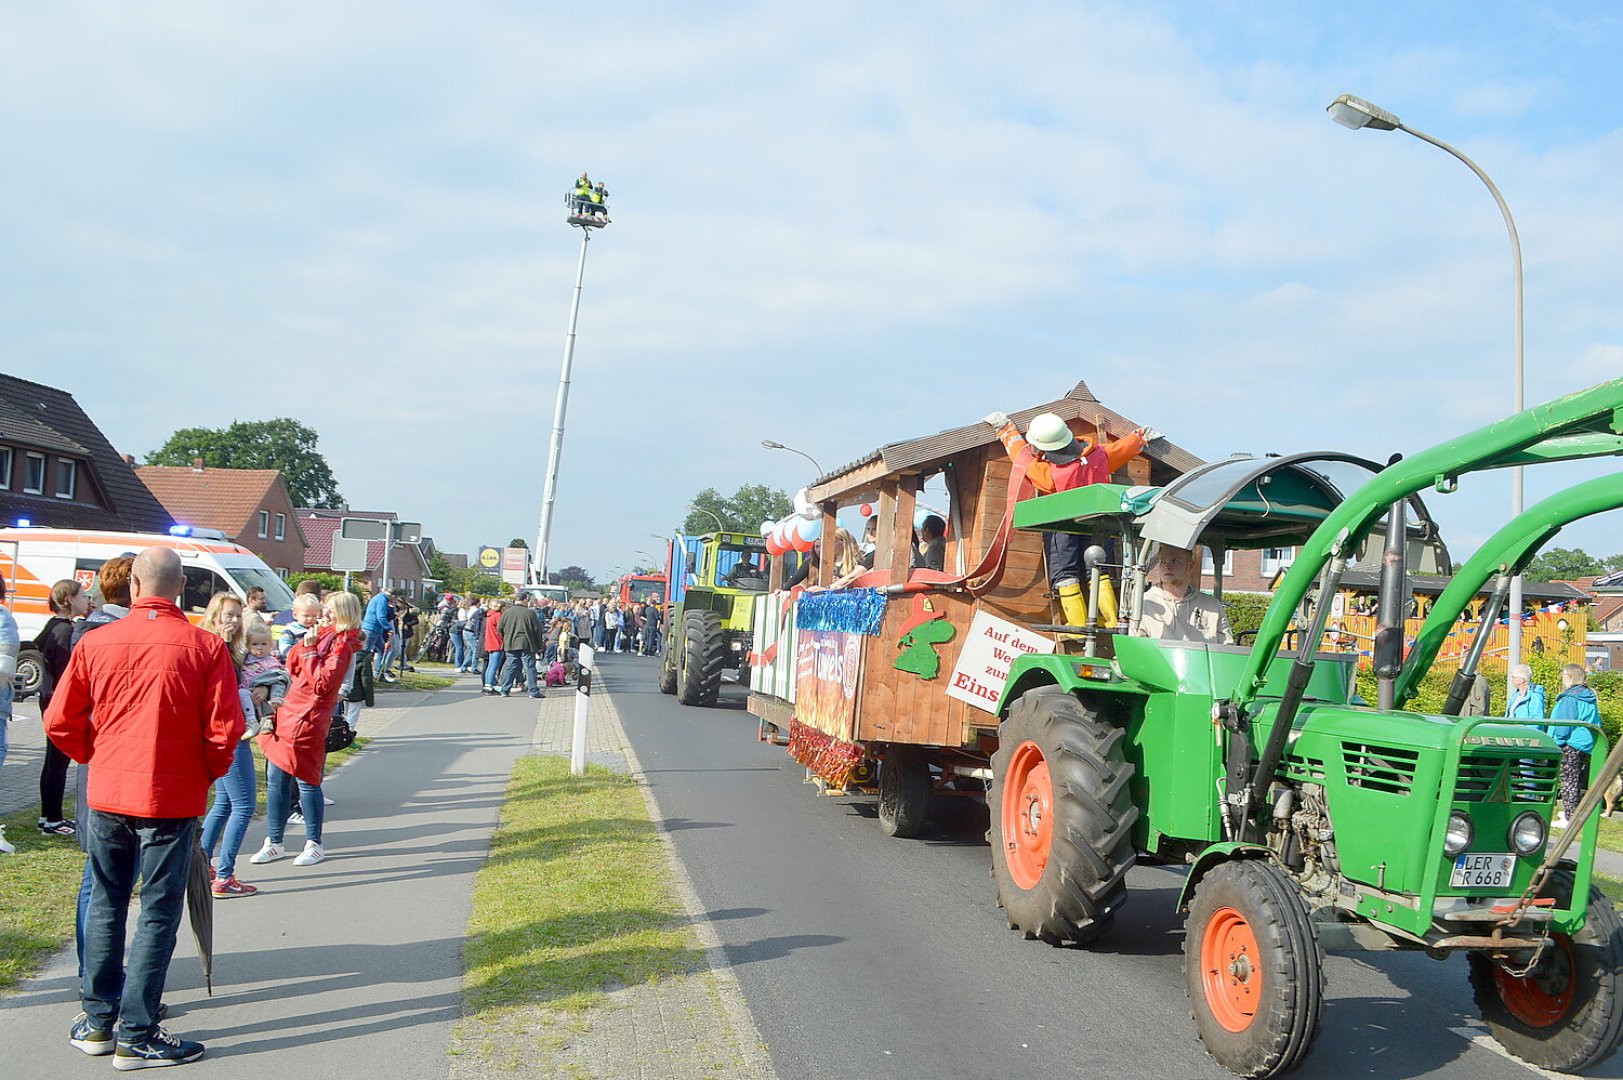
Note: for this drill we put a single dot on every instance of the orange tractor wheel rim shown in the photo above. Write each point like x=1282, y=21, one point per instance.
x=1540, y=1000
x=1027, y=815
x=1230, y=969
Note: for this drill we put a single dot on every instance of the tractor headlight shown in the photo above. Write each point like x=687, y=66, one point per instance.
x=1458, y=836
x=1527, y=833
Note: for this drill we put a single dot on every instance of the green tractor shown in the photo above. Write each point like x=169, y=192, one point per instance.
x=710, y=613
x=1309, y=818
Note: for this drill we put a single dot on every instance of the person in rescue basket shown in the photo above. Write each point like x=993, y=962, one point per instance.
x=150, y=702
x=1059, y=461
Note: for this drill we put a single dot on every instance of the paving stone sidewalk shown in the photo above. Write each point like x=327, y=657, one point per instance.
x=683, y=1028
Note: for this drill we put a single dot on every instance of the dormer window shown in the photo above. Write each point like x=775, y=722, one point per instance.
x=67, y=478
x=34, y=474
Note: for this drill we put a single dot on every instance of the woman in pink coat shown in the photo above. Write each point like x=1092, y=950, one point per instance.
x=296, y=747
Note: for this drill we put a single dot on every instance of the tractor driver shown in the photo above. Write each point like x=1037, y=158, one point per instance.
x=744, y=570
x=1062, y=462
x=1174, y=607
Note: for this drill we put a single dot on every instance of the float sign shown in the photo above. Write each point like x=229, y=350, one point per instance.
x=983, y=664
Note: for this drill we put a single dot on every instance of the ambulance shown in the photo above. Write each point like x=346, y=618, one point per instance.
x=34, y=559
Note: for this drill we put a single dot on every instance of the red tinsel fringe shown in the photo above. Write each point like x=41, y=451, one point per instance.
x=832, y=759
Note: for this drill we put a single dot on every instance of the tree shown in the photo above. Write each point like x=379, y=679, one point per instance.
x=518, y=541
x=576, y=577
x=743, y=512
x=1564, y=563
x=282, y=443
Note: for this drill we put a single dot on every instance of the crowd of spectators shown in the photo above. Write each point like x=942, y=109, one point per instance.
x=503, y=640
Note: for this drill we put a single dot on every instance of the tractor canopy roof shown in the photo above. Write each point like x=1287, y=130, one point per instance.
x=1241, y=501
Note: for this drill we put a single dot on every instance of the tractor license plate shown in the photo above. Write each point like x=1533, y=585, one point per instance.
x=1482, y=870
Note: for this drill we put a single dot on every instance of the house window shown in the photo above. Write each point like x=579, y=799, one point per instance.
x=34, y=475
x=67, y=477
x=1206, y=567
x=281, y=526
x=264, y=524
x=5, y=468
x=1276, y=559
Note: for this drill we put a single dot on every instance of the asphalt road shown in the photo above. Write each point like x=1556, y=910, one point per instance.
x=866, y=956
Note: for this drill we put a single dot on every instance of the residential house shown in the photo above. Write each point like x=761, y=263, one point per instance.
x=58, y=470
x=251, y=506
x=406, y=565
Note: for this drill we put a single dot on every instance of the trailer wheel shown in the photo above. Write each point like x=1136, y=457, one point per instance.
x=904, y=792
x=667, y=667
x=704, y=652
x=30, y=677
x=1253, y=969
x=1062, y=818
x=1567, y=1013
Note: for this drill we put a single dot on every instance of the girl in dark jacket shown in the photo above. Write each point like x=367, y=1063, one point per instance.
x=68, y=603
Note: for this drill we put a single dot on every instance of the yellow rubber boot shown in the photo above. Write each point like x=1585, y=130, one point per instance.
x=1109, y=615
x=1073, y=605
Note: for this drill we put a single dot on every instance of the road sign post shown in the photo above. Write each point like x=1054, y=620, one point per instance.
x=583, y=701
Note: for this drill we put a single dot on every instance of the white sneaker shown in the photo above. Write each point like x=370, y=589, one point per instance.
x=269, y=853
x=1560, y=822
x=326, y=801
x=311, y=854
x=5, y=848
x=296, y=818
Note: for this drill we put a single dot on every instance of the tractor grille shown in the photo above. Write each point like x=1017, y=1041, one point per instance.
x=1489, y=778
x=1306, y=769
x=1380, y=768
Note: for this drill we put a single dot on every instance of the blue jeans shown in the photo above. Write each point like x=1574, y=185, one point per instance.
x=6, y=694
x=158, y=851
x=458, y=650
x=470, y=650
x=279, y=788
x=494, y=668
x=234, y=797
x=515, y=661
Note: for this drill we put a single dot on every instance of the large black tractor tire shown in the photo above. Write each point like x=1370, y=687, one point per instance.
x=904, y=792
x=1566, y=1015
x=704, y=653
x=1062, y=818
x=1253, y=969
x=667, y=666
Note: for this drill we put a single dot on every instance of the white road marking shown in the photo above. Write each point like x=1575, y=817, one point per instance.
x=1478, y=1034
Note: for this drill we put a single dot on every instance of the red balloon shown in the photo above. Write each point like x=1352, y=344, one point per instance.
x=866, y=509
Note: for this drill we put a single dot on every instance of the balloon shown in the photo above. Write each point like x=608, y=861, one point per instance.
x=772, y=546
x=866, y=509
x=810, y=532
x=766, y=527
x=803, y=505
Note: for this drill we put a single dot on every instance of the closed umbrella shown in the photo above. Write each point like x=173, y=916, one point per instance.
x=200, y=911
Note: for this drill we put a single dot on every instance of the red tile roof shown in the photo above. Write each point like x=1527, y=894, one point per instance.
x=224, y=499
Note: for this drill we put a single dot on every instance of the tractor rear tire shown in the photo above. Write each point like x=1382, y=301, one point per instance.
x=904, y=792
x=667, y=666
x=704, y=653
x=1566, y=1016
x=1062, y=818
x=1253, y=969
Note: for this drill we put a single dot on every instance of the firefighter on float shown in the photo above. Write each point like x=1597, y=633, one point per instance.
x=1062, y=462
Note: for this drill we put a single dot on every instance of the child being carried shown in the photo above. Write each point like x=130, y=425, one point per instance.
x=263, y=668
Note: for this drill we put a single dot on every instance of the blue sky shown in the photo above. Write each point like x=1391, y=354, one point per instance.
x=833, y=227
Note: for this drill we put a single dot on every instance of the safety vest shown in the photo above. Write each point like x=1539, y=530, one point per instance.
x=597, y=196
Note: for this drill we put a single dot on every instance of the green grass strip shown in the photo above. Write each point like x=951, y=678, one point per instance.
x=39, y=887
x=575, y=900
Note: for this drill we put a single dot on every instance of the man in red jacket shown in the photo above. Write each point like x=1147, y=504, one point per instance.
x=151, y=702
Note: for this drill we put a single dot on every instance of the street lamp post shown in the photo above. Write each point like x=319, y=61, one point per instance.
x=585, y=220
x=701, y=510
x=770, y=445
x=1353, y=112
